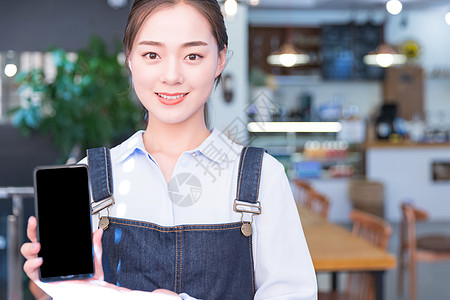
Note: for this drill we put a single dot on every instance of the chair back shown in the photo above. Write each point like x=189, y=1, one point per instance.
x=410, y=215
x=371, y=228
x=318, y=203
x=412, y=249
x=301, y=191
x=361, y=285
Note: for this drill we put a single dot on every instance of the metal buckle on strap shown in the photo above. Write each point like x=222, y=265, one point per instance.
x=246, y=207
x=101, y=205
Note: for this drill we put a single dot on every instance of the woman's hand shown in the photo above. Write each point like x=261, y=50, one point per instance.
x=165, y=292
x=30, y=251
x=93, y=288
x=98, y=251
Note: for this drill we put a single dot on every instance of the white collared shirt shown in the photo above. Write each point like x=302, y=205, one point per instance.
x=202, y=190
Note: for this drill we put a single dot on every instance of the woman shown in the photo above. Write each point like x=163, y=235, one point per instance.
x=176, y=224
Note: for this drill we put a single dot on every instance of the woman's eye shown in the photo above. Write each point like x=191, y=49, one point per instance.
x=193, y=57
x=151, y=55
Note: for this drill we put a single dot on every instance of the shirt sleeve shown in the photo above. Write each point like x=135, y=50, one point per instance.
x=283, y=265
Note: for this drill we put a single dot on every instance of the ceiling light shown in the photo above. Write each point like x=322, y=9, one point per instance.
x=231, y=7
x=394, y=7
x=253, y=2
x=288, y=56
x=294, y=126
x=116, y=4
x=384, y=56
x=447, y=18
x=10, y=70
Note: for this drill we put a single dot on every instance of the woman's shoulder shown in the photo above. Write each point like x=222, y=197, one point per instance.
x=123, y=149
x=269, y=164
x=127, y=147
x=272, y=169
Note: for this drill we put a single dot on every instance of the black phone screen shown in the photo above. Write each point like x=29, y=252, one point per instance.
x=64, y=222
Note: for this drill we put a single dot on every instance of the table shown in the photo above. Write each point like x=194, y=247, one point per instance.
x=334, y=249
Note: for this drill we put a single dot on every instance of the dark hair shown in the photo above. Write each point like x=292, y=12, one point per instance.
x=210, y=9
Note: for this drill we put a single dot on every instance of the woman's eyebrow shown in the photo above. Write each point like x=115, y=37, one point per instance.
x=185, y=45
x=151, y=43
x=194, y=44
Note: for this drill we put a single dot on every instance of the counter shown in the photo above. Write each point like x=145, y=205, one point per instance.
x=407, y=173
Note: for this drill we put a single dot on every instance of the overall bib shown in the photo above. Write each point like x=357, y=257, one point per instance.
x=205, y=261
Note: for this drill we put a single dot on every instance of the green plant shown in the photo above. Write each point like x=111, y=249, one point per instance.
x=257, y=77
x=88, y=104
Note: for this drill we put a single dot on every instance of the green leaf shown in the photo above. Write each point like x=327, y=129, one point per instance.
x=88, y=104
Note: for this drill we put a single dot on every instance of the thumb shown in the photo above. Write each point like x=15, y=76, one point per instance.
x=98, y=250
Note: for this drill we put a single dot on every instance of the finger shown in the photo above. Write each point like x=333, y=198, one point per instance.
x=30, y=250
x=31, y=229
x=31, y=268
x=98, y=251
x=164, y=292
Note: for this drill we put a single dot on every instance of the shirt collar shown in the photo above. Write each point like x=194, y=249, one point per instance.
x=132, y=144
x=216, y=147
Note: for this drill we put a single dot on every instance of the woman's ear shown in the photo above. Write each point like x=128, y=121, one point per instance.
x=128, y=60
x=221, y=61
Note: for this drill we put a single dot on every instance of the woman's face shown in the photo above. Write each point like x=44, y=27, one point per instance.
x=174, y=61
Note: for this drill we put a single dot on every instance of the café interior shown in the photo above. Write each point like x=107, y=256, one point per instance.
x=351, y=96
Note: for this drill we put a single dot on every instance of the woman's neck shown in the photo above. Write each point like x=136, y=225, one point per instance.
x=174, y=139
x=166, y=142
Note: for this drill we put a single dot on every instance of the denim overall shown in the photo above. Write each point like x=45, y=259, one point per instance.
x=205, y=261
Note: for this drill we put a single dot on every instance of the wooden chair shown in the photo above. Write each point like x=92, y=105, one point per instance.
x=427, y=248
x=371, y=228
x=318, y=203
x=301, y=191
x=361, y=285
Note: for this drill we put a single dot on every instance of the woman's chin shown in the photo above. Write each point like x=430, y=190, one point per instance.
x=176, y=119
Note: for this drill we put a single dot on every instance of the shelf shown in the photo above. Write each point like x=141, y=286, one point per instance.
x=319, y=160
x=381, y=144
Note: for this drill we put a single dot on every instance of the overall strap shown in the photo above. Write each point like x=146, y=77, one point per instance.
x=100, y=171
x=249, y=174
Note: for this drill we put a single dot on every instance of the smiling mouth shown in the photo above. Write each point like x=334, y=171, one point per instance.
x=171, y=99
x=171, y=96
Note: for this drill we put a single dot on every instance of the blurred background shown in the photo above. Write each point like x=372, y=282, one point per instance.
x=352, y=96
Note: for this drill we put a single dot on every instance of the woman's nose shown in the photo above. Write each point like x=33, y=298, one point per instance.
x=172, y=73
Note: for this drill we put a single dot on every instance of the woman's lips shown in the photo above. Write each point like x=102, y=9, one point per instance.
x=171, y=99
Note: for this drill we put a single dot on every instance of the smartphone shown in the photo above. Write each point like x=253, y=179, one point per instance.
x=63, y=211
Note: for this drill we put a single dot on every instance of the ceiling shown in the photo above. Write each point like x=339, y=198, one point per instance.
x=347, y=4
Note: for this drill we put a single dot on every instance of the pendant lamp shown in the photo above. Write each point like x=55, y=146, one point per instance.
x=384, y=56
x=287, y=56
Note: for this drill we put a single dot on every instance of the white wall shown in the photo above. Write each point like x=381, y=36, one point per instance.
x=224, y=115
x=428, y=28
